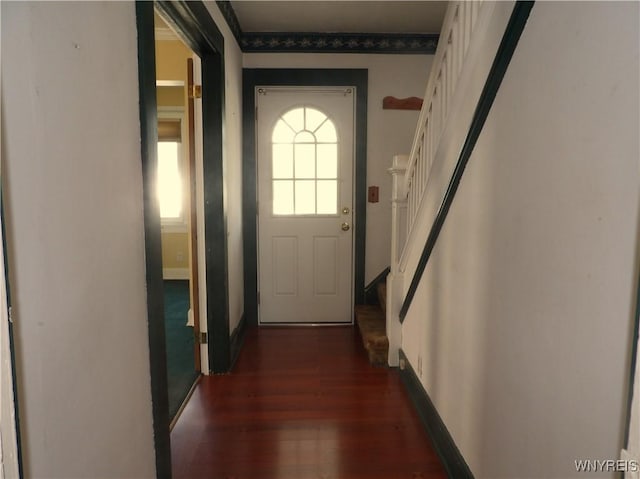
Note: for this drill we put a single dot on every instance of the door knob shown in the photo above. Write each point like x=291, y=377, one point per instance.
x=345, y=226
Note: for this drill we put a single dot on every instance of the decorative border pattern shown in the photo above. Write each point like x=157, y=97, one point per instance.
x=338, y=42
x=316, y=42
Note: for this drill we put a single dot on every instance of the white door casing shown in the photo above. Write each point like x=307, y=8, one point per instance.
x=305, y=159
x=201, y=244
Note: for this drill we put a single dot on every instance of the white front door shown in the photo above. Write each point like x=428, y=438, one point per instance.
x=305, y=162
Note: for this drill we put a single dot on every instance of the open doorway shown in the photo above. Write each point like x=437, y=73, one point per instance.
x=196, y=28
x=177, y=198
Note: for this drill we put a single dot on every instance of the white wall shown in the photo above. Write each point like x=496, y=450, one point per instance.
x=233, y=165
x=524, y=316
x=389, y=131
x=73, y=179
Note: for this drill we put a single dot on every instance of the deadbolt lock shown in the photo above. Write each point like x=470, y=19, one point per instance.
x=345, y=226
x=345, y=211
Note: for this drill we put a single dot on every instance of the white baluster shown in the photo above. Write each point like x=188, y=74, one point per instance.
x=441, y=90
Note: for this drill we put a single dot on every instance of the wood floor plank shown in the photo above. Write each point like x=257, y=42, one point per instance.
x=302, y=403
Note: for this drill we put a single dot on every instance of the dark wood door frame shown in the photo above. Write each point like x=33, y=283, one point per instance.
x=299, y=77
x=193, y=23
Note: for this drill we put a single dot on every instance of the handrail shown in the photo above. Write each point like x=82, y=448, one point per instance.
x=499, y=66
x=455, y=37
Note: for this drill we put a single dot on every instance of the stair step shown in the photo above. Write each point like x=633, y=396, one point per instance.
x=371, y=322
x=372, y=309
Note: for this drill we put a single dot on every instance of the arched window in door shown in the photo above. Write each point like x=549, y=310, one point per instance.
x=304, y=165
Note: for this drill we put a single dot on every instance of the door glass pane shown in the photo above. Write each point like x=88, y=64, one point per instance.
x=305, y=137
x=295, y=119
x=282, y=161
x=304, y=149
x=282, y=133
x=313, y=119
x=283, y=197
x=327, y=197
x=327, y=161
x=305, y=161
x=326, y=133
x=305, y=197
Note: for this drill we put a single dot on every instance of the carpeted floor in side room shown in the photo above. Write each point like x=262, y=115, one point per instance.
x=181, y=372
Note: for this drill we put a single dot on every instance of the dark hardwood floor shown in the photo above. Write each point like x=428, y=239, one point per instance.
x=302, y=403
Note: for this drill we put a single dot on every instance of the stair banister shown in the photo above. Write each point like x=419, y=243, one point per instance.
x=395, y=279
x=398, y=209
x=475, y=32
x=458, y=26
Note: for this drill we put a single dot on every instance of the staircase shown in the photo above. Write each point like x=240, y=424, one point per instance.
x=424, y=182
x=371, y=320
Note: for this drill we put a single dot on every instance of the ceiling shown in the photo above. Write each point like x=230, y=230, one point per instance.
x=331, y=26
x=340, y=16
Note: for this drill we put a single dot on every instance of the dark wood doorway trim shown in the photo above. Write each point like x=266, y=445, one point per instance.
x=193, y=23
x=299, y=77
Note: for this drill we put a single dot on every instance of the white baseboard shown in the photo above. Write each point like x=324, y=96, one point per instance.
x=176, y=273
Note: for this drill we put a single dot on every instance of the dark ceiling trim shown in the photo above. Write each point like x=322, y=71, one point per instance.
x=229, y=15
x=316, y=42
x=339, y=42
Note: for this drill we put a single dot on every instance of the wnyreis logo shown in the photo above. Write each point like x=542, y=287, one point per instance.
x=607, y=465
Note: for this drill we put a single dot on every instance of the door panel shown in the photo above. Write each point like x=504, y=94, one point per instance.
x=305, y=202
x=285, y=256
x=325, y=267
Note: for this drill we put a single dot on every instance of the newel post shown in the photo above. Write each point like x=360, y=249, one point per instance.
x=395, y=280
